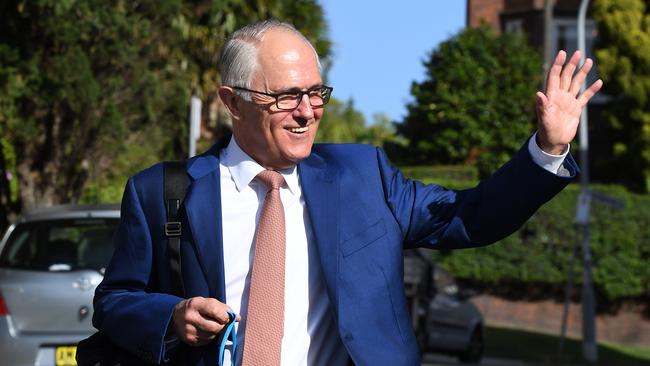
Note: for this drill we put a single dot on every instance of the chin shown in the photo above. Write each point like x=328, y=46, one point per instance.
x=297, y=156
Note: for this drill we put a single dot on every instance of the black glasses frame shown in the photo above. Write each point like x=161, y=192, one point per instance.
x=325, y=91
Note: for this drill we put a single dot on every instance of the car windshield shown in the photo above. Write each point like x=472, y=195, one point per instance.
x=60, y=245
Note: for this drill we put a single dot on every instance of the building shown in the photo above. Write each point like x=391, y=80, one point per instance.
x=550, y=25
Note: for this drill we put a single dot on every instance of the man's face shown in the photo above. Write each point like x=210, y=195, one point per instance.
x=275, y=138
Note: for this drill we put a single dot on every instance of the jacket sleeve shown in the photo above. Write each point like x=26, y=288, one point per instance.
x=126, y=309
x=435, y=217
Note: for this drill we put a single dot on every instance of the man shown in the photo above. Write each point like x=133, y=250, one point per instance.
x=347, y=216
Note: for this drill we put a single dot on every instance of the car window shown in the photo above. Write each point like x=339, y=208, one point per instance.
x=444, y=282
x=60, y=245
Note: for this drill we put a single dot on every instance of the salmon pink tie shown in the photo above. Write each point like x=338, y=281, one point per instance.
x=265, y=319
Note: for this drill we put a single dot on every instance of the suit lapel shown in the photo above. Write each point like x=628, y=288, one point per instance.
x=203, y=207
x=320, y=186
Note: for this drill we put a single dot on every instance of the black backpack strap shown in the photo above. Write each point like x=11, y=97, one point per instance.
x=175, y=181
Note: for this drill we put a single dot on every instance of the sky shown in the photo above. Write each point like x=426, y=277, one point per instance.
x=379, y=48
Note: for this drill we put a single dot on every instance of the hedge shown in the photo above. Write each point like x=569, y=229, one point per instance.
x=539, y=253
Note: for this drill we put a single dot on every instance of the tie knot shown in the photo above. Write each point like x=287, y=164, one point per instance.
x=271, y=179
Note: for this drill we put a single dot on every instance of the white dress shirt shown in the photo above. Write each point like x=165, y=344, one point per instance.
x=552, y=163
x=310, y=334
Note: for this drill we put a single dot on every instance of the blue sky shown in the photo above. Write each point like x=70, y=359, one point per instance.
x=379, y=48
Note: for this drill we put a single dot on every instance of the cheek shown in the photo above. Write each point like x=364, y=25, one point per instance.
x=265, y=126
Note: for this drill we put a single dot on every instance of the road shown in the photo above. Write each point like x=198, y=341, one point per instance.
x=441, y=360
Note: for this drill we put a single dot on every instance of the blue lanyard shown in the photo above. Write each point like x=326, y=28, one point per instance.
x=229, y=332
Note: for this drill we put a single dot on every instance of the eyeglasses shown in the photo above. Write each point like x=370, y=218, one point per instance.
x=287, y=101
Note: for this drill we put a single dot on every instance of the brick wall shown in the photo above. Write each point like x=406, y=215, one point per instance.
x=487, y=10
x=492, y=10
x=627, y=326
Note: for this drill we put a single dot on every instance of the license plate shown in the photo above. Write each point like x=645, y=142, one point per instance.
x=65, y=356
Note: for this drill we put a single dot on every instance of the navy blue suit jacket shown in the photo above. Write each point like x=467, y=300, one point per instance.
x=363, y=212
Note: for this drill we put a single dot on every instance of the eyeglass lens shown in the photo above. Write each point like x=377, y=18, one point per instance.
x=317, y=98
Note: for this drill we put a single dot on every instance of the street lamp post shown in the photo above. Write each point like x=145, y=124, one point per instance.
x=195, y=124
x=589, y=349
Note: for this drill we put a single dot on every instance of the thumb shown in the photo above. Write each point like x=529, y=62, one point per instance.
x=542, y=100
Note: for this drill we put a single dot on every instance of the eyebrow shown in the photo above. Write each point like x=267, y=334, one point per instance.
x=295, y=90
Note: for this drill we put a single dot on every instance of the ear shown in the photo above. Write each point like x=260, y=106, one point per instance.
x=230, y=100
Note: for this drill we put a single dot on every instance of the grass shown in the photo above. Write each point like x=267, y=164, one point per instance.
x=542, y=349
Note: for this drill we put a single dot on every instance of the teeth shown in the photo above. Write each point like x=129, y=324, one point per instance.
x=299, y=129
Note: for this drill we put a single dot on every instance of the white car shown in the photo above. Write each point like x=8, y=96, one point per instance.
x=51, y=261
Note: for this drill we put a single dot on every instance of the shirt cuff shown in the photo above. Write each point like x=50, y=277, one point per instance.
x=552, y=163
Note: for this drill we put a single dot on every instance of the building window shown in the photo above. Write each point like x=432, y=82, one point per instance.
x=514, y=25
x=565, y=37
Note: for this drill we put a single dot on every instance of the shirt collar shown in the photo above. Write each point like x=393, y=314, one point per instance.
x=243, y=168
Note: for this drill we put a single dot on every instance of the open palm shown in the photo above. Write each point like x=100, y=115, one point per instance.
x=559, y=107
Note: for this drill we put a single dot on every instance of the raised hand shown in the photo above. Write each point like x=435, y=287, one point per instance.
x=559, y=107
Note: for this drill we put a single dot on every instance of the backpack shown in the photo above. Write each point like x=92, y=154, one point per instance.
x=98, y=349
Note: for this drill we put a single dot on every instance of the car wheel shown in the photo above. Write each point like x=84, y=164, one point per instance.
x=474, y=351
x=421, y=338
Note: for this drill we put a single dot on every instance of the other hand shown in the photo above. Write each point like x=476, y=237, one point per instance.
x=559, y=107
x=198, y=320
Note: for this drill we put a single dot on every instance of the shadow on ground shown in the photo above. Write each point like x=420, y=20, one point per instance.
x=542, y=349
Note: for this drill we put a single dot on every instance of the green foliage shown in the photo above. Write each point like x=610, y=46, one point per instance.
x=540, y=251
x=382, y=132
x=78, y=78
x=476, y=105
x=205, y=26
x=136, y=156
x=462, y=174
x=624, y=66
x=342, y=123
x=92, y=91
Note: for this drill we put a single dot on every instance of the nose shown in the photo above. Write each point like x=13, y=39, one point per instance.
x=304, y=109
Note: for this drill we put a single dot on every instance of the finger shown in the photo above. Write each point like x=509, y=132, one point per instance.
x=197, y=340
x=205, y=336
x=590, y=92
x=569, y=69
x=210, y=308
x=580, y=77
x=199, y=316
x=215, y=310
x=553, y=77
x=206, y=325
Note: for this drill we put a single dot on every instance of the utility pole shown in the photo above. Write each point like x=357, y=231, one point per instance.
x=548, y=36
x=589, y=348
x=195, y=124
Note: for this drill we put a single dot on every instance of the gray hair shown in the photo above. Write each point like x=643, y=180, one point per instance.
x=238, y=59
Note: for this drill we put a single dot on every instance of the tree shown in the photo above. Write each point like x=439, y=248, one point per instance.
x=205, y=26
x=382, y=132
x=476, y=105
x=79, y=80
x=92, y=91
x=341, y=123
x=624, y=66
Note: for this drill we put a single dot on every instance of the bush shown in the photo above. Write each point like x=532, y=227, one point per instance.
x=539, y=253
x=476, y=102
x=464, y=174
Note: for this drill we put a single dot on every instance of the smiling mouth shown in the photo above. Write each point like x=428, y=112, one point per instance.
x=298, y=129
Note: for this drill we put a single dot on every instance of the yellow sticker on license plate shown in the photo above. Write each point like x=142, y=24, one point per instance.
x=65, y=356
